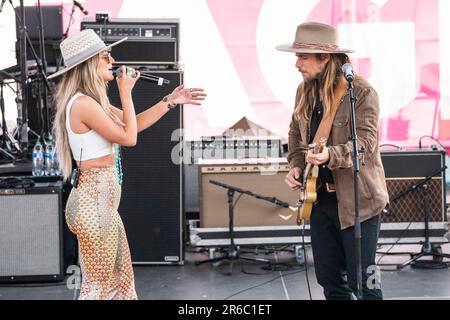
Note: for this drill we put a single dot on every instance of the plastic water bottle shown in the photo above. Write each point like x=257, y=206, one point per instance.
x=38, y=160
x=49, y=156
x=56, y=168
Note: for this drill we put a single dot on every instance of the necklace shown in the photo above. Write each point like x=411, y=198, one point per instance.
x=119, y=165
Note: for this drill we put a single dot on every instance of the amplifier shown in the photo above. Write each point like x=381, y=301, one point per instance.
x=222, y=147
x=150, y=41
x=405, y=170
x=262, y=176
x=52, y=52
x=257, y=223
x=31, y=233
x=52, y=21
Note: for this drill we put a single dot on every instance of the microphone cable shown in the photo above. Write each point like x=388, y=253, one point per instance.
x=391, y=247
x=306, y=261
x=390, y=145
x=261, y=284
x=400, y=236
x=237, y=199
x=305, y=268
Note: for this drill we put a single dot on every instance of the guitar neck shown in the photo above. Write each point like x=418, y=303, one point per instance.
x=307, y=171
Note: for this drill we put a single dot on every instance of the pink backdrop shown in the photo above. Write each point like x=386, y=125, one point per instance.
x=237, y=22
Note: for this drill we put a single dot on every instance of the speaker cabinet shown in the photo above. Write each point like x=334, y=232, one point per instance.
x=403, y=169
x=31, y=233
x=146, y=52
x=406, y=170
x=52, y=22
x=221, y=147
x=52, y=53
x=264, y=177
x=150, y=41
x=151, y=204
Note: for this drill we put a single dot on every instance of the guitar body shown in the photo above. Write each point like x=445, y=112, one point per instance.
x=308, y=191
x=308, y=196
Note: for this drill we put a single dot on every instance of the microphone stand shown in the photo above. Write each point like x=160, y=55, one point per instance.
x=4, y=144
x=41, y=66
x=43, y=89
x=23, y=97
x=65, y=35
x=72, y=11
x=233, y=251
x=356, y=151
x=427, y=247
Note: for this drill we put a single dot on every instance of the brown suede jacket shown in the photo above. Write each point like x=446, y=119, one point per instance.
x=372, y=185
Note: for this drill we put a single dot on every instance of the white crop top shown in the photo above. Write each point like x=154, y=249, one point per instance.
x=93, y=144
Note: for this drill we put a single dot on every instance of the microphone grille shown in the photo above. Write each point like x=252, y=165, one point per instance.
x=347, y=67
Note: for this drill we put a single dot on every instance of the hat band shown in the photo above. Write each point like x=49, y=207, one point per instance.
x=97, y=47
x=320, y=46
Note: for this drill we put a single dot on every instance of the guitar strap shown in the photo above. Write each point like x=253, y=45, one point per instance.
x=327, y=122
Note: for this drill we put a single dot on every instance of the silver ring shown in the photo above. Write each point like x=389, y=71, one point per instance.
x=191, y=89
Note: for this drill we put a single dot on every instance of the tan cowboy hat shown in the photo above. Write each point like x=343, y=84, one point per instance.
x=314, y=37
x=79, y=47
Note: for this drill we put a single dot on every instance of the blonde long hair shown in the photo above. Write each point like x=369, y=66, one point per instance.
x=85, y=79
x=326, y=82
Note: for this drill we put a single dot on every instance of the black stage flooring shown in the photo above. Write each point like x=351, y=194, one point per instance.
x=285, y=279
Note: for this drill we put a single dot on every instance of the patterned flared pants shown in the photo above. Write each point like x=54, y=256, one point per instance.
x=91, y=214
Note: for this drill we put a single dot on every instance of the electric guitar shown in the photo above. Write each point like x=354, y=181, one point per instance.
x=308, y=190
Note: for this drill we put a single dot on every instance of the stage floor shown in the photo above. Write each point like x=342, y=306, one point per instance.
x=251, y=281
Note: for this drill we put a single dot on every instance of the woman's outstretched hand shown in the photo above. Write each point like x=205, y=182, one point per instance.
x=180, y=95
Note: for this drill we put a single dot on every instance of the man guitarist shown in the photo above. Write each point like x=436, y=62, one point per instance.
x=322, y=108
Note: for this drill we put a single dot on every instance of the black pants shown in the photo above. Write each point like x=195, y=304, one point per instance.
x=334, y=252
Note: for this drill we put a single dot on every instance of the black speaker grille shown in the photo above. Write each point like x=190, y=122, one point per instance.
x=151, y=197
x=145, y=51
x=30, y=234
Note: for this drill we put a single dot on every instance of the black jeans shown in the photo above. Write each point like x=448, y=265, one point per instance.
x=334, y=251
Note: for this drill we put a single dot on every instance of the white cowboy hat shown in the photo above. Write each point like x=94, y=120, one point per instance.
x=79, y=47
x=314, y=37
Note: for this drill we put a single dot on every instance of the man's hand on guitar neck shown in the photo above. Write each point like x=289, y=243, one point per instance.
x=318, y=158
x=292, y=178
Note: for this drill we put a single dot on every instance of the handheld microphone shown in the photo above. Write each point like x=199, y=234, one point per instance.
x=1, y=5
x=347, y=69
x=150, y=78
x=77, y=4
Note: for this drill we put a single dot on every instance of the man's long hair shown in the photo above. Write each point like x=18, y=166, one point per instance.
x=327, y=81
x=85, y=79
